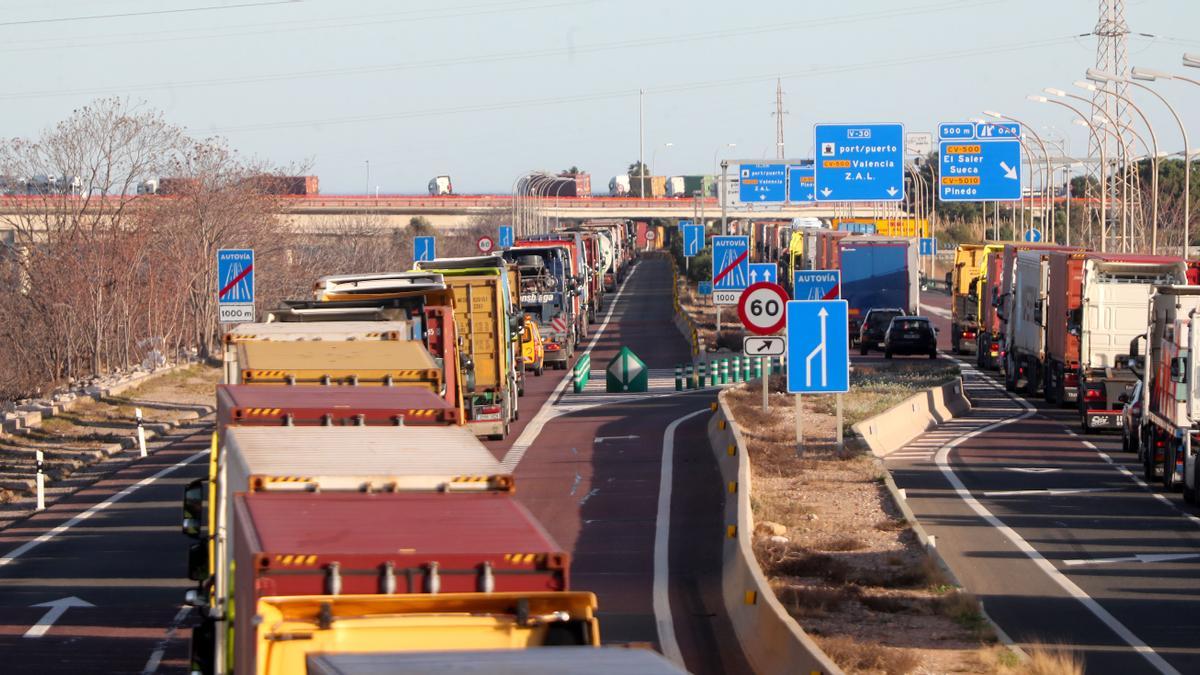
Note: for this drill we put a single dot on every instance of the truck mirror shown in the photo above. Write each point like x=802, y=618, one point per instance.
x=1123, y=398
x=1179, y=370
x=198, y=563
x=193, y=507
x=1134, y=346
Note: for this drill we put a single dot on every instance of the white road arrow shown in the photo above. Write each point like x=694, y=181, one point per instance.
x=754, y=276
x=821, y=350
x=57, y=609
x=1009, y=171
x=892, y=191
x=826, y=192
x=1140, y=558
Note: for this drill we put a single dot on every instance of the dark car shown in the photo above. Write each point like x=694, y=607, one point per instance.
x=910, y=335
x=874, y=325
x=1131, y=418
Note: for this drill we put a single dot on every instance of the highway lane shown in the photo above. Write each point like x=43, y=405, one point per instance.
x=1047, y=528
x=115, y=545
x=593, y=477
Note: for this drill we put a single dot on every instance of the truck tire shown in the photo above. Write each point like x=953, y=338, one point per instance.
x=955, y=337
x=863, y=348
x=1148, y=464
x=1189, y=493
x=1169, y=459
x=1048, y=386
x=1010, y=373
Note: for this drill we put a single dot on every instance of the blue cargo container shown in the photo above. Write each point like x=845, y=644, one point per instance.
x=878, y=272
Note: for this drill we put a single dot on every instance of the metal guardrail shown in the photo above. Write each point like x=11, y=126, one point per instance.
x=581, y=373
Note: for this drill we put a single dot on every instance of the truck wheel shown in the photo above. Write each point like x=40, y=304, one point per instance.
x=1124, y=441
x=1169, y=459
x=1010, y=373
x=863, y=348
x=538, y=371
x=1189, y=493
x=1148, y=464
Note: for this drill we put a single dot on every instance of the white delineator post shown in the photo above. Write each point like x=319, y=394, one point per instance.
x=141, y=432
x=40, y=479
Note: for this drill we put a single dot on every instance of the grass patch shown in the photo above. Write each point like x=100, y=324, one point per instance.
x=875, y=388
x=854, y=655
x=892, y=525
x=842, y=543
x=1053, y=660
x=964, y=610
x=811, y=601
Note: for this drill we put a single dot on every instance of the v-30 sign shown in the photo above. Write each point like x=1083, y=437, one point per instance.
x=762, y=308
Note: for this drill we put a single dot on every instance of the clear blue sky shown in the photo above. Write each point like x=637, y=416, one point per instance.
x=487, y=89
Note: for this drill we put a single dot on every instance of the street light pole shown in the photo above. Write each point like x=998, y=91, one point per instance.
x=1145, y=74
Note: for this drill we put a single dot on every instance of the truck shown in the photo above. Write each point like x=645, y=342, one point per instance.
x=321, y=633
x=1170, y=418
x=301, y=405
x=1096, y=305
x=964, y=296
x=676, y=187
x=306, y=459
x=612, y=255
x=1024, y=322
x=489, y=327
x=306, y=332
x=618, y=186
x=549, y=297
x=440, y=186
x=987, y=341
x=356, y=545
x=876, y=272
x=1005, y=297
x=579, y=273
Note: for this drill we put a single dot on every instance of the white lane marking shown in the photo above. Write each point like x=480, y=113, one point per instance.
x=547, y=412
x=662, y=545
x=56, y=609
x=28, y=546
x=1032, y=553
x=1052, y=492
x=1139, y=558
x=601, y=439
x=157, y=655
x=1033, y=469
x=936, y=311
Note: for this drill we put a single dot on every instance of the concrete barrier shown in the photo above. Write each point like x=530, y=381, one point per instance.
x=682, y=320
x=770, y=638
x=893, y=429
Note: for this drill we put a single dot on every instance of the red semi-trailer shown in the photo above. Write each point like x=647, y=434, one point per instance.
x=314, y=405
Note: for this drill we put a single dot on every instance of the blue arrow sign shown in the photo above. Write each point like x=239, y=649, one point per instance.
x=928, y=246
x=1033, y=236
x=762, y=183
x=424, y=249
x=816, y=284
x=506, y=236
x=731, y=263
x=764, y=272
x=995, y=130
x=956, y=131
x=976, y=171
x=859, y=162
x=693, y=239
x=800, y=183
x=818, y=347
x=704, y=287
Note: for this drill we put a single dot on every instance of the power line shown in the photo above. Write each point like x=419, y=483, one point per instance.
x=511, y=56
x=665, y=89
x=152, y=12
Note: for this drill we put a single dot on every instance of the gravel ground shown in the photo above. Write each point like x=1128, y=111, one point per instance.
x=842, y=559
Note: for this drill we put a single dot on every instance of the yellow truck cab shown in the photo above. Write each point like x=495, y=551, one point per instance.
x=533, y=352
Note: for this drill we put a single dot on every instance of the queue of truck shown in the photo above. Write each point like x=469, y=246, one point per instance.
x=351, y=518
x=1108, y=334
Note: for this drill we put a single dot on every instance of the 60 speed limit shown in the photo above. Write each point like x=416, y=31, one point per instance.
x=762, y=308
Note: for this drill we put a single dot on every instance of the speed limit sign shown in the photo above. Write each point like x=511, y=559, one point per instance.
x=485, y=244
x=761, y=308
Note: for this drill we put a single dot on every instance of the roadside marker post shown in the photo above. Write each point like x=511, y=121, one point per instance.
x=141, y=432
x=40, y=478
x=737, y=369
x=678, y=377
x=690, y=376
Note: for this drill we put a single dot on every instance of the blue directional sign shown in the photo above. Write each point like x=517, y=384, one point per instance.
x=818, y=347
x=1033, y=236
x=424, y=249
x=704, y=288
x=693, y=240
x=928, y=246
x=235, y=285
x=506, y=236
x=763, y=183
x=956, y=131
x=731, y=263
x=994, y=130
x=816, y=284
x=764, y=272
x=800, y=183
x=977, y=171
x=859, y=162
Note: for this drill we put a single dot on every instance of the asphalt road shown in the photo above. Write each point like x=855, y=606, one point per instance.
x=1057, y=535
x=593, y=474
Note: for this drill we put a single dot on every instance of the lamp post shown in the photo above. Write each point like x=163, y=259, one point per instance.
x=1092, y=73
x=1083, y=119
x=1045, y=154
x=1152, y=75
x=716, y=167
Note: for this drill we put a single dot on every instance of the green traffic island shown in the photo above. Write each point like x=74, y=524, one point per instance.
x=837, y=550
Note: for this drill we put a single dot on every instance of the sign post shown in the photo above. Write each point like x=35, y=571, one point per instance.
x=818, y=353
x=762, y=311
x=235, y=285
